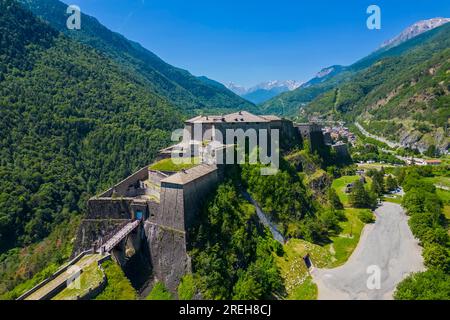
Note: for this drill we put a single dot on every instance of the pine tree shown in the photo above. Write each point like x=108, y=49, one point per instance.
x=378, y=183
x=391, y=184
x=334, y=200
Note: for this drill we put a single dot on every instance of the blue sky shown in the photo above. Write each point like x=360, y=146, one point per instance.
x=251, y=41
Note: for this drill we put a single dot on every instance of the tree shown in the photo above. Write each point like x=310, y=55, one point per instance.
x=428, y=285
x=378, y=183
x=438, y=235
x=231, y=252
x=436, y=257
x=186, y=288
x=247, y=288
x=334, y=200
x=360, y=198
x=159, y=292
x=391, y=184
x=432, y=151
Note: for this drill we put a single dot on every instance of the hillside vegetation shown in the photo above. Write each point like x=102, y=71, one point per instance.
x=401, y=92
x=430, y=226
x=404, y=98
x=74, y=122
x=185, y=91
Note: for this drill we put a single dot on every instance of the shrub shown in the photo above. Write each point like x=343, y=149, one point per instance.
x=186, y=288
x=366, y=216
x=118, y=286
x=159, y=292
x=428, y=285
x=436, y=257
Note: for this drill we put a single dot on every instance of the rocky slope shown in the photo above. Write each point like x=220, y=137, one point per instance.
x=416, y=29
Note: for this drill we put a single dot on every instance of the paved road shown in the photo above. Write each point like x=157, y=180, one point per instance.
x=388, y=244
x=391, y=144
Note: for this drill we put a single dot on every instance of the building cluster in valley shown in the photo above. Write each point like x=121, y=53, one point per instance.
x=338, y=133
x=168, y=202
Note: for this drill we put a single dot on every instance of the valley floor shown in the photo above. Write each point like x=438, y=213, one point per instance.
x=387, y=244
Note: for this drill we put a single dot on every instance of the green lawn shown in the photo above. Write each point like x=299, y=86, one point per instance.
x=345, y=243
x=439, y=180
x=306, y=291
x=397, y=199
x=175, y=166
x=340, y=184
x=298, y=283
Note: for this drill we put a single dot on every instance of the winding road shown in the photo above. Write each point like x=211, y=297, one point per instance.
x=387, y=248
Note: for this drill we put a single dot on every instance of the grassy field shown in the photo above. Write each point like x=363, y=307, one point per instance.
x=441, y=181
x=298, y=282
x=377, y=166
x=345, y=243
x=340, y=184
x=397, y=199
x=118, y=286
x=175, y=166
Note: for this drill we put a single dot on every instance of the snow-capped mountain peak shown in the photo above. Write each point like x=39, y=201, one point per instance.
x=265, y=90
x=415, y=30
x=287, y=85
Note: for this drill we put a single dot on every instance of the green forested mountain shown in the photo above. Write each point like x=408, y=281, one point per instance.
x=404, y=98
x=191, y=94
x=399, y=92
x=73, y=122
x=289, y=103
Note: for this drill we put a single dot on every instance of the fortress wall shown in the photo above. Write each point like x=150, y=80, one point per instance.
x=122, y=187
x=171, y=212
x=109, y=209
x=104, y=217
x=156, y=176
x=153, y=211
x=166, y=236
x=195, y=195
x=90, y=231
x=170, y=261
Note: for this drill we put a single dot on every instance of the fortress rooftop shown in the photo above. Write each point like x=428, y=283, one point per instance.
x=186, y=176
x=238, y=117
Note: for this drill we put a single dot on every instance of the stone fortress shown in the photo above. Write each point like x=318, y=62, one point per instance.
x=168, y=202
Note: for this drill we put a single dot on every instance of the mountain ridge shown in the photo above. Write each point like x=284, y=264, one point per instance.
x=289, y=103
x=414, y=30
x=189, y=93
x=264, y=90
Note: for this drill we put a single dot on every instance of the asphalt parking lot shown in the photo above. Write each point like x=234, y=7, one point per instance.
x=387, y=247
